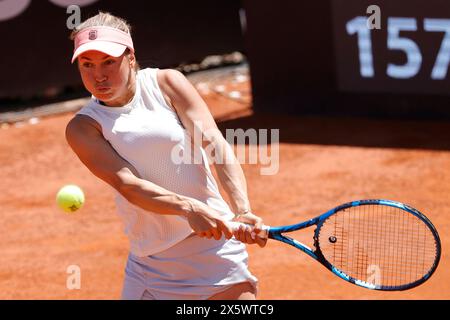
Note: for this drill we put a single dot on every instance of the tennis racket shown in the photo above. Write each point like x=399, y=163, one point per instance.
x=375, y=244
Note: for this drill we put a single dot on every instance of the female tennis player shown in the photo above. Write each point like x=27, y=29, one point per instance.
x=137, y=134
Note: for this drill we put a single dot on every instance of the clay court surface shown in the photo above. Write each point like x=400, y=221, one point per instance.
x=323, y=162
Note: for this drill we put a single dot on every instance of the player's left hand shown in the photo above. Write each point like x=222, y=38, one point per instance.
x=249, y=233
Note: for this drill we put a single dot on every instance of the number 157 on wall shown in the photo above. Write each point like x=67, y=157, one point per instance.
x=413, y=63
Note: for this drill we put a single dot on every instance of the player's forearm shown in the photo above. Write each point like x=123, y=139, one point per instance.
x=232, y=178
x=233, y=181
x=154, y=198
x=229, y=171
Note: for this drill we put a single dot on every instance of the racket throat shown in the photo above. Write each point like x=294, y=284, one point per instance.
x=295, y=243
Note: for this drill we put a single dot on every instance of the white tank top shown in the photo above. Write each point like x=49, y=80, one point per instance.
x=145, y=132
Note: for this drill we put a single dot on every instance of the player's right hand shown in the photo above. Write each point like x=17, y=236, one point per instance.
x=207, y=222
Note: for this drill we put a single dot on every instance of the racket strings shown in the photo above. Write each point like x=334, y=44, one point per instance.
x=377, y=244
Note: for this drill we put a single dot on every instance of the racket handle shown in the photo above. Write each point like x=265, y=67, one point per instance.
x=264, y=234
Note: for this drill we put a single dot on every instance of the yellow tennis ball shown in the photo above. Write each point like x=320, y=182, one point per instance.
x=70, y=198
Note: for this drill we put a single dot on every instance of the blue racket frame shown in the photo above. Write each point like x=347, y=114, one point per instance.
x=276, y=233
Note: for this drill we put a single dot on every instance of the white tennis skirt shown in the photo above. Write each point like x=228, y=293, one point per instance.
x=195, y=268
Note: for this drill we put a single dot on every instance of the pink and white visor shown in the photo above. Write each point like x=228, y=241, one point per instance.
x=110, y=41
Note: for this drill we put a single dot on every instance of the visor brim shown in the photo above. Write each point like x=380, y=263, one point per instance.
x=109, y=48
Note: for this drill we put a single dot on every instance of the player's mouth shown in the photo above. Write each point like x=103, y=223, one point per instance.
x=102, y=89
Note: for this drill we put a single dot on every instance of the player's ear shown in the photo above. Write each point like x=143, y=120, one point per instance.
x=132, y=59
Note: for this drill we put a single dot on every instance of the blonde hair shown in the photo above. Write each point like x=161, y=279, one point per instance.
x=107, y=20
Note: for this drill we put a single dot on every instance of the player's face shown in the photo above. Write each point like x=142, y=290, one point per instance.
x=109, y=79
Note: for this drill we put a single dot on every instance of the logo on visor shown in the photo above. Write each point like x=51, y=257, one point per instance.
x=92, y=34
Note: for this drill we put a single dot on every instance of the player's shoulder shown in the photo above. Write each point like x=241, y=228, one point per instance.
x=169, y=73
x=82, y=120
x=81, y=125
x=169, y=77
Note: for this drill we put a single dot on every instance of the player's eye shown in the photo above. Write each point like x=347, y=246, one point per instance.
x=109, y=62
x=87, y=64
